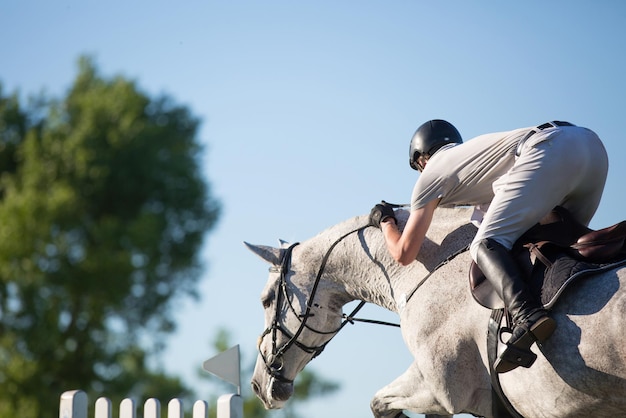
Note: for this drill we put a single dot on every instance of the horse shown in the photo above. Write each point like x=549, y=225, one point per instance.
x=579, y=372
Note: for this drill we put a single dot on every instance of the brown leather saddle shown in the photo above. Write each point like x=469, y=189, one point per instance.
x=552, y=252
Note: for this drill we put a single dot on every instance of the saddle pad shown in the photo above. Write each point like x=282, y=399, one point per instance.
x=545, y=285
x=564, y=270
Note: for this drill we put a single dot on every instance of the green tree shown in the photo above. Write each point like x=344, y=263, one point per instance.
x=103, y=210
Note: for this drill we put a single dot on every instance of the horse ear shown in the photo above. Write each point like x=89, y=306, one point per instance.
x=283, y=243
x=270, y=254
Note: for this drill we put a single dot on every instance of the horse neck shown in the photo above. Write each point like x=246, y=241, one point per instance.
x=360, y=267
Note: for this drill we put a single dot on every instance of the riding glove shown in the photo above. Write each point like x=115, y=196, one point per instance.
x=380, y=213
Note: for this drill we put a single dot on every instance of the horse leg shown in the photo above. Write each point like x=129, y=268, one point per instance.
x=407, y=392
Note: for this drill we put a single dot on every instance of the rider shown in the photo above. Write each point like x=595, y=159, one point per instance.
x=513, y=179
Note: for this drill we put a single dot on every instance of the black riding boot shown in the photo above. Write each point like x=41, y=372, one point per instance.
x=530, y=321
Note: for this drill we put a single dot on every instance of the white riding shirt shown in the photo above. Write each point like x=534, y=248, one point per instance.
x=564, y=165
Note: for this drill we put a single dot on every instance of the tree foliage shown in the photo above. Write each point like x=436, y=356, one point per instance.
x=103, y=209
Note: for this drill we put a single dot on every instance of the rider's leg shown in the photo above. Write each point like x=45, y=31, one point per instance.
x=562, y=167
x=530, y=321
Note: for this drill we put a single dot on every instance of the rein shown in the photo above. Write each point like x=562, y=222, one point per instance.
x=443, y=263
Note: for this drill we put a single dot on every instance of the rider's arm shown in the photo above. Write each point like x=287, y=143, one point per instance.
x=404, y=247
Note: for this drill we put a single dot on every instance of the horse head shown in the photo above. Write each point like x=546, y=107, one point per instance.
x=299, y=322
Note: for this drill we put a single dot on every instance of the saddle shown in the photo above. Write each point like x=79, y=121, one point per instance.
x=552, y=252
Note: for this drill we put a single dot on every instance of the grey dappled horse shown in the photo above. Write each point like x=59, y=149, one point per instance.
x=580, y=370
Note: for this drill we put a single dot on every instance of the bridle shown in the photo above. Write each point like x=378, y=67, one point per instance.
x=274, y=364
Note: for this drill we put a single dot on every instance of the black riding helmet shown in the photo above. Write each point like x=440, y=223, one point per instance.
x=429, y=137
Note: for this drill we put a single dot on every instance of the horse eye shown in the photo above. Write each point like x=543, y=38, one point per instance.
x=267, y=300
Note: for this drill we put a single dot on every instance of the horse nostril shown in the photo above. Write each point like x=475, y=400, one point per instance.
x=255, y=388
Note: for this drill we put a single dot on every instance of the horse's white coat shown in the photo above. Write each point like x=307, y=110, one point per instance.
x=580, y=371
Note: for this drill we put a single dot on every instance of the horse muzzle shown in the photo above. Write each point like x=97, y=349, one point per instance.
x=274, y=394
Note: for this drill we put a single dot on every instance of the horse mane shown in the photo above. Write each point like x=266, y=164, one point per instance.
x=445, y=220
x=450, y=231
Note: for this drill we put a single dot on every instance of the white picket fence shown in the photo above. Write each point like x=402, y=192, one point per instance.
x=74, y=404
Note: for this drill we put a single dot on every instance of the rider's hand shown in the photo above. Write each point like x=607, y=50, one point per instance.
x=380, y=213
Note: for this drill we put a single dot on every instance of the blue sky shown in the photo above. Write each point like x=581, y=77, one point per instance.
x=308, y=109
